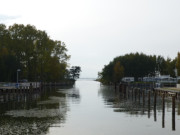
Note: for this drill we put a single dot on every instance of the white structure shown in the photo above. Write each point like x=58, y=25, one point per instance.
x=161, y=78
x=165, y=79
x=149, y=79
x=128, y=79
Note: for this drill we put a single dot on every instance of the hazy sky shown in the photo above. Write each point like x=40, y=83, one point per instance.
x=96, y=31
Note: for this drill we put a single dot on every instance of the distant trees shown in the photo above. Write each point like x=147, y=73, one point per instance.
x=136, y=65
x=165, y=67
x=32, y=51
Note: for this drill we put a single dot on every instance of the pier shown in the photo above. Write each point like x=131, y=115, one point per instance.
x=147, y=95
x=10, y=91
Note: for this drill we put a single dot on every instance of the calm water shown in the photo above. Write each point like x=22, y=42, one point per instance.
x=86, y=109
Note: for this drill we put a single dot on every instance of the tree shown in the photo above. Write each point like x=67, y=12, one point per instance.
x=118, y=72
x=75, y=72
x=178, y=64
x=130, y=65
x=32, y=51
x=137, y=65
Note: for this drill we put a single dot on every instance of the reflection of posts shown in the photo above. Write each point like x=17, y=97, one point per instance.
x=155, y=106
x=18, y=70
x=149, y=102
x=127, y=89
x=143, y=100
x=124, y=91
x=163, y=111
x=115, y=85
x=139, y=98
x=135, y=90
x=132, y=93
x=173, y=112
x=119, y=87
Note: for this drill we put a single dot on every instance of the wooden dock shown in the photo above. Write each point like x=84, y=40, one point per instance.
x=31, y=86
x=168, y=91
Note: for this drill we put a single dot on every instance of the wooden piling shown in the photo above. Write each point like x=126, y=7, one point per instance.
x=149, y=103
x=124, y=90
x=163, y=111
x=135, y=93
x=143, y=98
x=132, y=93
x=155, y=118
x=139, y=94
x=114, y=86
x=173, y=112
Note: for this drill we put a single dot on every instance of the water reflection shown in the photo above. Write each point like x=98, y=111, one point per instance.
x=25, y=113
x=138, y=102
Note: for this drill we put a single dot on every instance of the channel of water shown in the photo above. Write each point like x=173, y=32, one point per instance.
x=88, y=108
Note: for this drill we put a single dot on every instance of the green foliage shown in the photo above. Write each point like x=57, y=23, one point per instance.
x=32, y=51
x=178, y=64
x=137, y=65
x=166, y=67
x=118, y=72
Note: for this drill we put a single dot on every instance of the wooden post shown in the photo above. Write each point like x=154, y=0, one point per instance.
x=173, y=112
x=139, y=95
x=115, y=85
x=124, y=89
x=135, y=90
x=4, y=97
x=30, y=88
x=163, y=111
x=127, y=88
x=155, y=106
x=13, y=95
x=143, y=98
x=149, y=103
x=132, y=93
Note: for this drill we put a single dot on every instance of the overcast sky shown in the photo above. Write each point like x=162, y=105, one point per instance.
x=96, y=31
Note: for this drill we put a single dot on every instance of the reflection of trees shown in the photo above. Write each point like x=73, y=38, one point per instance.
x=72, y=94
x=35, y=113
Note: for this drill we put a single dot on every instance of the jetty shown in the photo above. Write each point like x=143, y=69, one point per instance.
x=14, y=91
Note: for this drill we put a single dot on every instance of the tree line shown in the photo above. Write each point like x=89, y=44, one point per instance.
x=38, y=57
x=138, y=65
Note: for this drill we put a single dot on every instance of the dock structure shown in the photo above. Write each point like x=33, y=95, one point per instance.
x=168, y=91
x=31, y=86
x=12, y=92
x=148, y=95
x=21, y=87
x=143, y=88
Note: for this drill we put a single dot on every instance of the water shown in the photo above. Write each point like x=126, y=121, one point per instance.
x=86, y=109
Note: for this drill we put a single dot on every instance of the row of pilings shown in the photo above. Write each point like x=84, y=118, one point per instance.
x=23, y=93
x=147, y=95
x=19, y=94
